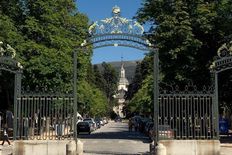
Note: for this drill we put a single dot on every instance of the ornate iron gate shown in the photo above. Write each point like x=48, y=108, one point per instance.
x=44, y=116
x=117, y=31
x=187, y=114
x=191, y=115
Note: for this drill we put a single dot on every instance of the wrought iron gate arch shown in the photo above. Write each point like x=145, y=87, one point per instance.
x=125, y=40
x=117, y=31
x=222, y=62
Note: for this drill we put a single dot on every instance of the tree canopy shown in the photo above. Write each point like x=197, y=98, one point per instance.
x=45, y=35
x=187, y=34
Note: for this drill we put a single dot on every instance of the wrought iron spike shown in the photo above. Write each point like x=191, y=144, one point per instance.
x=37, y=88
x=45, y=88
x=204, y=88
x=28, y=88
x=186, y=88
x=194, y=88
x=177, y=88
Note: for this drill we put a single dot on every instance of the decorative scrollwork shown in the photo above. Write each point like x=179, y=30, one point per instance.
x=224, y=59
x=225, y=50
x=8, y=51
x=187, y=89
x=7, y=61
x=116, y=25
x=44, y=91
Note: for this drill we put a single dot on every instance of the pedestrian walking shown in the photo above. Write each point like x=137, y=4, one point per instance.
x=5, y=135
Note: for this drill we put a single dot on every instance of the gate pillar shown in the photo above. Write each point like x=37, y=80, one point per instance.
x=156, y=95
x=17, y=100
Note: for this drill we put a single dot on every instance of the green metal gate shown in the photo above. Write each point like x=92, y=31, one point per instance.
x=44, y=116
x=188, y=114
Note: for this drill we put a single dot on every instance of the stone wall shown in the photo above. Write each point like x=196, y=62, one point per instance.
x=50, y=147
x=189, y=147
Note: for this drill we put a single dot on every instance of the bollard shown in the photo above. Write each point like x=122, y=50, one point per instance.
x=160, y=149
x=151, y=146
x=79, y=148
x=71, y=148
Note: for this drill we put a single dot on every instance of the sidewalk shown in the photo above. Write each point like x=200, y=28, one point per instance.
x=6, y=149
x=226, y=148
x=226, y=145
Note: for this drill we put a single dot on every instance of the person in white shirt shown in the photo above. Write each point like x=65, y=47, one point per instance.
x=5, y=135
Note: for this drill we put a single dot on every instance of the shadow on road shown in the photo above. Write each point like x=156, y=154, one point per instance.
x=114, y=153
x=121, y=135
x=226, y=139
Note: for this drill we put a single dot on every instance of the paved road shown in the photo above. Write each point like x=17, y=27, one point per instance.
x=114, y=138
x=226, y=145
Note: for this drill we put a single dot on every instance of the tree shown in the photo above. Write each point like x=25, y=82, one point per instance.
x=143, y=69
x=99, y=80
x=91, y=100
x=187, y=34
x=45, y=34
x=111, y=78
x=142, y=101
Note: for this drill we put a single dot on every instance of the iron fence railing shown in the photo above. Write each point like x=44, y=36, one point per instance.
x=44, y=117
x=187, y=115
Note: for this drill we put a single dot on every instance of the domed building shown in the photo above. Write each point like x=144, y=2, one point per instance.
x=122, y=89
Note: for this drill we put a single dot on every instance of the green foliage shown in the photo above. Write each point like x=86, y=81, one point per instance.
x=9, y=33
x=91, y=100
x=45, y=38
x=174, y=37
x=45, y=35
x=110, y=80
x=143, y=69
x=142, y=101
x=99, y=80
x=187, y=34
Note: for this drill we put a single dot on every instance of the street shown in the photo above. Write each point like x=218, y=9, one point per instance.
x=114, y=138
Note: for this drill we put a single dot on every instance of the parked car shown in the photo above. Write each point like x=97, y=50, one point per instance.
x=105, y=120
x=136, y=122
x=83, y=127
x=148, y=128
x=92, y=123
x=98, y=122
x=165, y=132
x=143, y=123
x=118, y=119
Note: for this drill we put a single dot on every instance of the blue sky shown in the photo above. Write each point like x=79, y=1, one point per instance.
x=101, y=9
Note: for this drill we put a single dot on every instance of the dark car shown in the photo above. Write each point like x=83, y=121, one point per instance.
x=98, y=122
x=83, y=127
x=92, y=123
x=118, y=119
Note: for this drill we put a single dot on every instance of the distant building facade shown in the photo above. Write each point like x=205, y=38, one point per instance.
x=121, y=91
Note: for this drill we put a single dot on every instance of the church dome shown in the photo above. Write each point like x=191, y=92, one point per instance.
x=123, y=81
